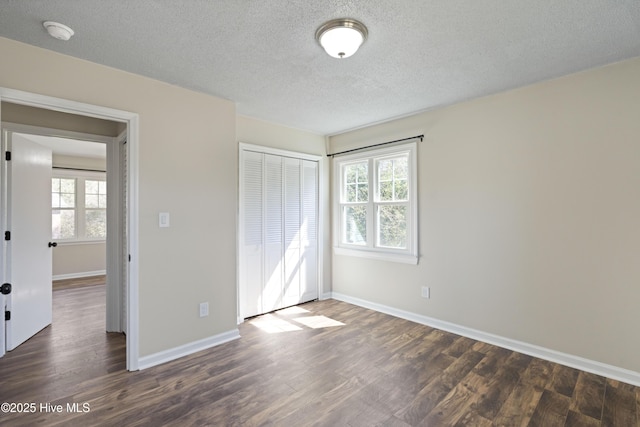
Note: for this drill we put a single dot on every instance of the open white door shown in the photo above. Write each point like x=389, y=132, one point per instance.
x=28, y=250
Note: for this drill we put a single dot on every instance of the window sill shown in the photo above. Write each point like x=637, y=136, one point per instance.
x=381, y=256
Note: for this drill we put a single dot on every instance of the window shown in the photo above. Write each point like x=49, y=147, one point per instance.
x=376, y=204
x=79, y=206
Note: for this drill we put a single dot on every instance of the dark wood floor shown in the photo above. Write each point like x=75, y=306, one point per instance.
x=327, y=363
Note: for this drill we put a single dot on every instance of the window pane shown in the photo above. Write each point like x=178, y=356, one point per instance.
x=95, y=194
x=351, y=174
x=392, y=223
x=96, y=223
x=363, y=171
x=363, y=192
x=356, y=188
x=63, y=224
x=68, y=185
x=67, y=200
x=400, y=168
x=55, y=200
x=55, y=185
x=91, y=201
x=355, y=227
x=351, y=193
x=401, y=190
x=386, y=191
x=90, y=187
x=385, y=170
x=392, y=179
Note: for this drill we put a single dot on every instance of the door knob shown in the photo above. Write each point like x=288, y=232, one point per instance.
x=53, y=244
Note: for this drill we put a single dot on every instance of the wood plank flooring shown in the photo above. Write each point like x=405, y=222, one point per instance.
x=79, y=283
x=324, y=363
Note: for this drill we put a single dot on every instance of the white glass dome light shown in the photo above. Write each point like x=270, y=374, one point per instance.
x=341, y=38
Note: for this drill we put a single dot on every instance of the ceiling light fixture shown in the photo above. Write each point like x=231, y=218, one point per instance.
x=58, y=30
x=342, y=37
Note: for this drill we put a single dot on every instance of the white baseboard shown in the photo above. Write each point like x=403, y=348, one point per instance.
x=187, y=349
x=592, y=366
x=79, y=275
x=326, y=295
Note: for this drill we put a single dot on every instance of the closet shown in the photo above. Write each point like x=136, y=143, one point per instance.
x=278, y=230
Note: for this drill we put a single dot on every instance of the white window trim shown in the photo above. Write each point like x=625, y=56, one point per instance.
x=406, y=256
x=82, y=174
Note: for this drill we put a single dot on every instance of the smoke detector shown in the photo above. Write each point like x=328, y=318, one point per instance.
x=58, y=31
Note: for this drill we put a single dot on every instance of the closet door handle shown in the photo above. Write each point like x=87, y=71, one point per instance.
x=53, y=244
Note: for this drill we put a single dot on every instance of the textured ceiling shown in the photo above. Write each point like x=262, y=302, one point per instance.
x=262, y=54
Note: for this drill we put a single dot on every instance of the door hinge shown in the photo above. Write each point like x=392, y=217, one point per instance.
x=7, y=315
x=129, y=257
x=7, y=235
x=5, y=289
x=7, y=155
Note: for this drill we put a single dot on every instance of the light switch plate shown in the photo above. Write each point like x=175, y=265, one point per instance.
x=163, y=219
x=425, y=292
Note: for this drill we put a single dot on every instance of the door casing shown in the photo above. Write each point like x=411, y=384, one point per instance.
x=132, y=122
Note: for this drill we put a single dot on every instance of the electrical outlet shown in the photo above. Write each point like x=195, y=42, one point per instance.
x=204, y=309
x=425, y=292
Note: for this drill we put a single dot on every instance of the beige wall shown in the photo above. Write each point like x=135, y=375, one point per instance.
x=259, y=132
x=79, y=259
x=63, y=161
x=187, y=155
x=529, y=206
x=15, y=113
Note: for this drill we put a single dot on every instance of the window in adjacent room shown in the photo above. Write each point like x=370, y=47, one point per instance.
x=78, y=206
x=376, y=204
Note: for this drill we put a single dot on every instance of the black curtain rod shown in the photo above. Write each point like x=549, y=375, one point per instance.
x=377, y=145
x=79, y=169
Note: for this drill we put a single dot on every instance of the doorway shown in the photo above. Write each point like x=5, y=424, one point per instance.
x=124, y=248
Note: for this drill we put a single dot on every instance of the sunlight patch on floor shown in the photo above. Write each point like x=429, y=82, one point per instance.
x=317, y=322
x=292, y=310
x=274, y=325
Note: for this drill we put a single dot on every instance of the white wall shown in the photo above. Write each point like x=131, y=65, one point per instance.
x=187, y=157
x=529, y=216
x=259, y=132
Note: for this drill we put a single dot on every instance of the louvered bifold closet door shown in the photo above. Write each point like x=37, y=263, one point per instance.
x=309, y=232
x=251, y=232
x=278, y=264
x=272, y=292
x=292, y=223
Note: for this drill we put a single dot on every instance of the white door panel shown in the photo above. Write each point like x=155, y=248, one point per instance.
x=29, y=255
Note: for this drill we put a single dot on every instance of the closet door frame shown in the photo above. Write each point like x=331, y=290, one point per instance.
x=242, y=147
